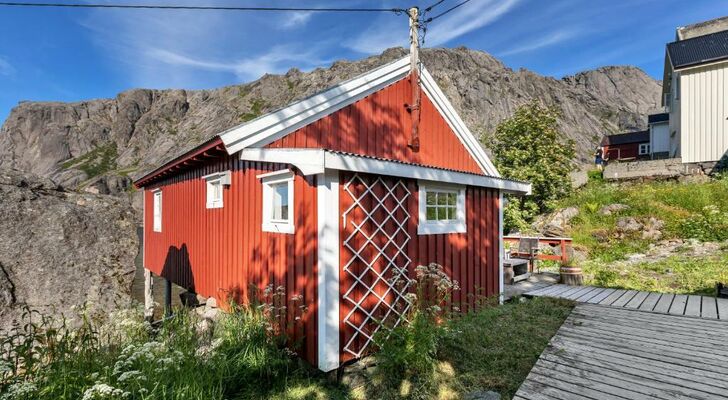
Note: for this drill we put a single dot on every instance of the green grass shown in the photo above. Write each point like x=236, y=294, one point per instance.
x=492, y=349
x=96, y=162
x=256, y=110
x=688, y=210
x=676, y=274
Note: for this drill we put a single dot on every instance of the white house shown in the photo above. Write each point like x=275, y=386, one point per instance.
x=695, y=93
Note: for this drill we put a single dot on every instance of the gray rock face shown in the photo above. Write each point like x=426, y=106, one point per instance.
x=61, y=249
x=100, y=144
x=555, y=224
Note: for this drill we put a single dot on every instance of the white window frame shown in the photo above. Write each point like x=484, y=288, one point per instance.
x=644, y=148
x=269, y=180
x=218, y=178
x=157, y=210
x=425, y=227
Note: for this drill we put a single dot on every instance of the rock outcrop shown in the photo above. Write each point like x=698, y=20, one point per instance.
x=98, y=145
x=61, y=249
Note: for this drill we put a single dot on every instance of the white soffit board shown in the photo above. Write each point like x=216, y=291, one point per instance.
x=316, y=161
x=271, y=127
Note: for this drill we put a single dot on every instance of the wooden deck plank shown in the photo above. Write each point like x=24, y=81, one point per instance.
x=660, y=337
x=626, y=297
x=644, y=369
x=709, y=308
x=601, y=296
x=606, y=352
x=722, y=308
x=686, y=335
x=678, y=304
x=627, y=384
x=693, y=306
x=650, y=301
x=588, y=295
x=579, y=293
x=663, y=306
x=613, y=297
x=572, y=290
x=637, y=300
x=538, y=291
x=552, y=290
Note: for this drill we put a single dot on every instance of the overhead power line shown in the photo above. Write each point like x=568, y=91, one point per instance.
x=207, y=8
x=446, y=11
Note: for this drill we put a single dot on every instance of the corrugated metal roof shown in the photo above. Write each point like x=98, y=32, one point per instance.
x=698, y=50
x=626, y=138
x=344, y=153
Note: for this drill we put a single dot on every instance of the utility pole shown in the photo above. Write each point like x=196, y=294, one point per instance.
x=414, y=106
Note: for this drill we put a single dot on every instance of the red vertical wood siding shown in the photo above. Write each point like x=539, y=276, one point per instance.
x=222, y=252
x=379, y=125
x=622, y=151
x=469, y=258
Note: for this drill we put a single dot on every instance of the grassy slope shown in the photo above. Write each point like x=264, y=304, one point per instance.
x=672, y=202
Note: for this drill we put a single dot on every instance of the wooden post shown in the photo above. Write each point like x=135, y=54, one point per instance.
x=564, y=256
x=167, y=298
x=414, y=108
x=148, y=296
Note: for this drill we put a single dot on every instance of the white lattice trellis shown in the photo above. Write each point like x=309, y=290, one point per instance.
x=378, y=243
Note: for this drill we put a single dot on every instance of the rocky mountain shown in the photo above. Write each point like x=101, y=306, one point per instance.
x=62, y=249
x=98, y=145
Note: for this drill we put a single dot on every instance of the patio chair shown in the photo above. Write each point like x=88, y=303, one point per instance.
x=528, y=250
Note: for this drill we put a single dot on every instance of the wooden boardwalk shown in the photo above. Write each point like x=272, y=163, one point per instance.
x=608, y=353
x=665, y=303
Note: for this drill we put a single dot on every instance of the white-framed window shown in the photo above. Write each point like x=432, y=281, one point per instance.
x=215, y=184
x=644, y=148
x=441, y=209
x=278, y=201
x=157, y=207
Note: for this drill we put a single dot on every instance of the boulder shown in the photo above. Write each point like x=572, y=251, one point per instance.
x=555, y=224
x=613, y=209
x=628, y=225
x=62, y=251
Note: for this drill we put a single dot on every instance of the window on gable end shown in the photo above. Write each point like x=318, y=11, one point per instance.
x=441, y=209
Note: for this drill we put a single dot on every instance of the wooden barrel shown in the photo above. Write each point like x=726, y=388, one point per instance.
x=571, y=275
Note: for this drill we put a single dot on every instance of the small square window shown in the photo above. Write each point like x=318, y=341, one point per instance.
x=278, y=201
x=644, y=148
x=157, y=210
x=215, y=184
x=442, y=209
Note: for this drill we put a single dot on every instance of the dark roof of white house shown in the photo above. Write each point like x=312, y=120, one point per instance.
x=699, y=50
x=626, y=138
x=655, y=118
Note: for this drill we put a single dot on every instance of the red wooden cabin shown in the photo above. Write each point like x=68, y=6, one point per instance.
x=626, y=146
x=329, y=198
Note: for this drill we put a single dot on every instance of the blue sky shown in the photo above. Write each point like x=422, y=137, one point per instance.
x=70, y=55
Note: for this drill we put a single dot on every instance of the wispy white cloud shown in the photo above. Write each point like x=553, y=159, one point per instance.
x=388, y=32
x=273, y=61
x=6, y=69
x=547, y=40
x=296, y=19
x=199, y=49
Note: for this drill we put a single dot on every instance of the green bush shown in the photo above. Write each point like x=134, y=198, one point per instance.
x=406, y=356
x=529, y=147
x=595, y=176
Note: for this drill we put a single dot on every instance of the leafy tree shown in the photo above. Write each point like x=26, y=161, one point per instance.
x=529, y=147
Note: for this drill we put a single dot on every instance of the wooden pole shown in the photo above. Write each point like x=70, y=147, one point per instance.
x=148, y=296
x=167, y=298
x=414, y=24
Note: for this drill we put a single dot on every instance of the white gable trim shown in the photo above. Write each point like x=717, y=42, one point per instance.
x=271, y=127
x=317, y=161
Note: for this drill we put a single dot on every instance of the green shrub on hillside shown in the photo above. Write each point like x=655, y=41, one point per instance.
x=711, y=224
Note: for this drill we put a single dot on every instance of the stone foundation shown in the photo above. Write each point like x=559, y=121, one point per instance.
x=669, y=168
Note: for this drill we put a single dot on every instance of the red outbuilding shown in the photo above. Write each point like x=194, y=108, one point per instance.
x=626, y=146
x=334, y=198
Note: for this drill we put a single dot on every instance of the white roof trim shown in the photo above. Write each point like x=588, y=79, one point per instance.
x=268, y=128
x=316, y=161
